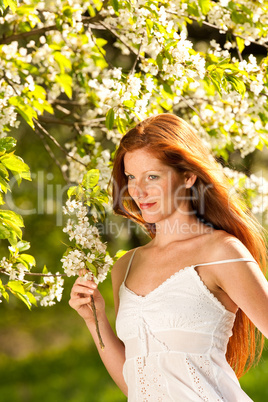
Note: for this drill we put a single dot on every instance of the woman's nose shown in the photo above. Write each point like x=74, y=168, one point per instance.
x=139, y=190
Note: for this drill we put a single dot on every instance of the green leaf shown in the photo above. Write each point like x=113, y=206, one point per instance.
x=205, y=6
x=13, y=4
x=121, y=125
x=120, y=254
x=4, y=186
x=92, y=268
x=109, y=122
x=170, y=42
x=3, y=172
x=159, y=60
x=27, y=260
x=149, y=26
x=71, y=191
x=17, y=166
x=23, y=245
x=66, y=83
x=18, y=290
x=12, y=217
x=63, y=62
x=10, y=224
x=2, y=201
x=216, y=81
x=4, y=232
x=91, y=178
x=240, y=43
x=3, y=291
x=237, y=84
x=26, y=111
x=87, y=139
x=7, y=143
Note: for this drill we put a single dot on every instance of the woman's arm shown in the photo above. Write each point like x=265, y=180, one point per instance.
x=244, y=282
x=113, y=355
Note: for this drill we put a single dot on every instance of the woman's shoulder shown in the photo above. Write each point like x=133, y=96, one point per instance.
x=227, y=246
x=120, y=267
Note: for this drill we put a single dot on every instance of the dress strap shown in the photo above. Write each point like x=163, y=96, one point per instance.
x=129, y=264
x=223, y=261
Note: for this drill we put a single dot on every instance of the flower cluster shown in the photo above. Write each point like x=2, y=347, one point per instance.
x=55, y=285
x=17, y=267
x=89, y=252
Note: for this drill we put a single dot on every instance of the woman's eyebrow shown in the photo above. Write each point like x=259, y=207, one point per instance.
x=146, y=171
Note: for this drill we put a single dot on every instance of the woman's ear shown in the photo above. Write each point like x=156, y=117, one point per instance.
x=190, y=179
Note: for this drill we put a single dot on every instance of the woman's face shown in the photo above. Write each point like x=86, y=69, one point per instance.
x=157, y=189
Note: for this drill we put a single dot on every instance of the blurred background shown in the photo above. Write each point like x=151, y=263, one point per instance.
x=47, y=354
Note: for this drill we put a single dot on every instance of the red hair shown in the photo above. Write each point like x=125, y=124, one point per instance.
x=175, y=143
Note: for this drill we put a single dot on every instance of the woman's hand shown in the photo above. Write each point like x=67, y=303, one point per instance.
x=81, y=298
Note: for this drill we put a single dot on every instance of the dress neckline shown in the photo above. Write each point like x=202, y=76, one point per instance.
x=192, y=270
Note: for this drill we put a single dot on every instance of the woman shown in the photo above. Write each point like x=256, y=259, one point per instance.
x=188, y=303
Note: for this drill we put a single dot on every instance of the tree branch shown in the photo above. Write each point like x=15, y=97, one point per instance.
x=100, y=50
x=121, y=40
x=40, y=31
x=136, y=60
x=49, y=120
x=52, y=155
x=218, y=28
x=191, y=107
x=44, y=131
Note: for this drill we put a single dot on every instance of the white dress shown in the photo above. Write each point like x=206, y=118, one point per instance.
x=175, y=342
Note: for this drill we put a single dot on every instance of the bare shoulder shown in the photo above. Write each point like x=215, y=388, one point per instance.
x=118, y=273
x=119, y=269
x=226, y=246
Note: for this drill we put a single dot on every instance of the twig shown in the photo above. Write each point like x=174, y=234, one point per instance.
x=34, y=273
x=16, y=37
x=44, y=131
x=136, y=60
x=51, y=154
x=92, y=304
x=191, y=107
x=63, y=110
x=100, y=50
x=119, y=37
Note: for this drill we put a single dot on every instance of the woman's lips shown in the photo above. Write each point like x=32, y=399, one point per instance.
x=145, y=206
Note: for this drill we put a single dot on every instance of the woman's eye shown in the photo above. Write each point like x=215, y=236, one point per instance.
x=130, y=177
x=153, y=177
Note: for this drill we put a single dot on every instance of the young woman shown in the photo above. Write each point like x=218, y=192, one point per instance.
x=189, y=302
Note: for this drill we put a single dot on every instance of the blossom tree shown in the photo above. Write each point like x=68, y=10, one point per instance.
x=61, y=65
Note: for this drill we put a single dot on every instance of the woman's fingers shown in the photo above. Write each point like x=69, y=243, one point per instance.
x=81, y=289
x=79, y=302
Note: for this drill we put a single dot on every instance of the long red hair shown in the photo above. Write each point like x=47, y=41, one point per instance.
x=175, y=143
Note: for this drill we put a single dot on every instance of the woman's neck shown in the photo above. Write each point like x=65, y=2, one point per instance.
x=182, y=228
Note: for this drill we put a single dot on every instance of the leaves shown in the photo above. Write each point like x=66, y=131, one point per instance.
x=10, y=224
x=66, y=82
x=17, y=288
x=109, y=122
x=91, y=178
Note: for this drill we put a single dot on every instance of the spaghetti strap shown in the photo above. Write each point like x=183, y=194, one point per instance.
x=223, y=261
x=129, y=264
